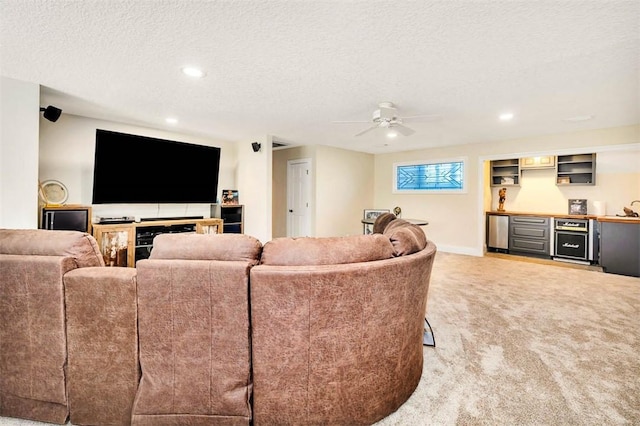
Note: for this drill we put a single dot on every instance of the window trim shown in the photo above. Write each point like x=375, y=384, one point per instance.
x=465, y=173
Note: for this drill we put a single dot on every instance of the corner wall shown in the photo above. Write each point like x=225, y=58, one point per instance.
x=253, y=177
x=342, y=189
x=19, y=121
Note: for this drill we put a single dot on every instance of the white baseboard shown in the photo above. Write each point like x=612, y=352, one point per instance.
x=470, y=251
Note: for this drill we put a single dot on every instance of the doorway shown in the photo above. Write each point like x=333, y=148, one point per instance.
x=299, y=198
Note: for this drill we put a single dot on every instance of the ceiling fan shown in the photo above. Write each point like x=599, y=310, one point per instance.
x=385, y=117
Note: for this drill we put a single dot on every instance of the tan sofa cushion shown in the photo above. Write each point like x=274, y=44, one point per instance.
x=80, y=246
x=326, y=251
x=405, y=237
x=382, y=221
x=206, y=247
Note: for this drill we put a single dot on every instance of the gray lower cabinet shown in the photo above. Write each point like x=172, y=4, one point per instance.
x=530, y=235
x=620, y=248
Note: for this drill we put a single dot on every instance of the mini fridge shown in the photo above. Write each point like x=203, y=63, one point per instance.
x=498, y=233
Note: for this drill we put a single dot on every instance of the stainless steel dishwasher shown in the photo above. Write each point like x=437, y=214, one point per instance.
x=498, y=233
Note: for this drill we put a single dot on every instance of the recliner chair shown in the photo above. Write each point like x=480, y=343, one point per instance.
x=68, y=337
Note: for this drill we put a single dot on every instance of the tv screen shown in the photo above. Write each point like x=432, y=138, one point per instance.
x=140, y=169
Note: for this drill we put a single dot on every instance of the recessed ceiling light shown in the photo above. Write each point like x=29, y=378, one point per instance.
x=193, y=72
x=392, y=134
x=171, y=120
x=579, y=118
x=506, y=116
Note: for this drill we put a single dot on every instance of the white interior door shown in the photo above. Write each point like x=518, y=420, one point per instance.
x=299, y=198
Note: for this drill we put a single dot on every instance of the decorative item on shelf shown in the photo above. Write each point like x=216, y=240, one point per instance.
x=578, y=207
x=230, y=197
x=564, y=180
x=53, y=193
x=502, y=194
x=507, y=181
x=397, y=211
x=115, y=248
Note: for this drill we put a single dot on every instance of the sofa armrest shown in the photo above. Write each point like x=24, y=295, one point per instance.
x=102, y=341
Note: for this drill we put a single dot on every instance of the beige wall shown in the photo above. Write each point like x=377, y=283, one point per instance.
x=19, y=126
x=456, y=221
x=342, y=189
x=253, y=174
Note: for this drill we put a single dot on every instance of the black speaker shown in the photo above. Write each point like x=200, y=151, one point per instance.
x=256, y=146
x=51, y=113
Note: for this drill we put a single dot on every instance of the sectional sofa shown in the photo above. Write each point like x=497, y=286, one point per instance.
x=213, y=329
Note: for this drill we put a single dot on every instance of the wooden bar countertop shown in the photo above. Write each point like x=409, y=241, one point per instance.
x=615, y=219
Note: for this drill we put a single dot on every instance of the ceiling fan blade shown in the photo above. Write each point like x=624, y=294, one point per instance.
x=403, y=130
x=351, y=122
x=366, y=130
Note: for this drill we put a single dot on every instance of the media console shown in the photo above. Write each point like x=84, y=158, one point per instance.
x=123, y=244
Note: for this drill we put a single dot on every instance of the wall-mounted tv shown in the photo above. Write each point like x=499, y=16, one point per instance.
x=139, y=169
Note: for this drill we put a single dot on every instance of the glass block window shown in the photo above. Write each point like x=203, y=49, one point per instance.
x=440, y=177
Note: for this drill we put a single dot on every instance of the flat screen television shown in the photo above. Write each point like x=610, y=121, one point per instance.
x=139, y=169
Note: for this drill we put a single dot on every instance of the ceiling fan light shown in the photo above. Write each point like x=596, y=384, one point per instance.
x=392, y=134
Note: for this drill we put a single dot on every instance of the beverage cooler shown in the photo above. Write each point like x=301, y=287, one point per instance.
x=575, y=240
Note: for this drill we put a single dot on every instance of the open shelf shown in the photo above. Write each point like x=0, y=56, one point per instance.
x=577, y=169
x=505, y=172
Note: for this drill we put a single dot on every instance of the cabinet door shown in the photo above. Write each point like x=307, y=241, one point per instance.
x=547, y=161
x=116, y=244
x=209, y=226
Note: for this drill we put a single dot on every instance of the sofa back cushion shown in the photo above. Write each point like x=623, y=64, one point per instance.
x=382, y=221
x=80, y=246
x=326, y=251
x=238, y=247
x=193, y=323
x=405, y=237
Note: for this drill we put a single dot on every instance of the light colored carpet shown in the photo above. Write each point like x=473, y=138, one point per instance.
x=524, y=343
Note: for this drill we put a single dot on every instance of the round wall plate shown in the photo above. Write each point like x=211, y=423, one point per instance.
x=54, y=192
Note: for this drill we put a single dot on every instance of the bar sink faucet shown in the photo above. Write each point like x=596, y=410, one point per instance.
x=630, y=212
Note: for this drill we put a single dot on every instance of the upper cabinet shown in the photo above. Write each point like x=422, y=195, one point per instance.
x=577, y=169
x=505, y=172
x=548, y=161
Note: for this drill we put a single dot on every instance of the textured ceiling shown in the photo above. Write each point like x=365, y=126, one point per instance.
x=291, y=68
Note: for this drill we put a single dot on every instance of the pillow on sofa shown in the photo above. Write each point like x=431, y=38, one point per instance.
x=206, y=247
x=405, y=237
x=81, y=246
x=326, y=250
